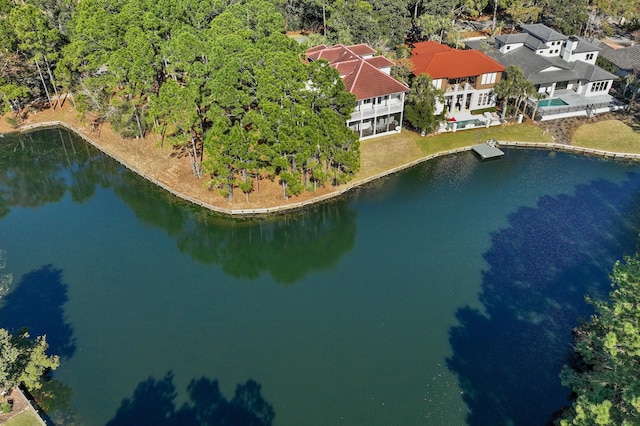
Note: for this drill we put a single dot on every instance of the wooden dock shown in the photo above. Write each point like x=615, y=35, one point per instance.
x=488, y=150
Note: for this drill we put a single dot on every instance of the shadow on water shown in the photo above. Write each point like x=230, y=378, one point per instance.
x=36, y=303
x=509, y=356
x=153, y=403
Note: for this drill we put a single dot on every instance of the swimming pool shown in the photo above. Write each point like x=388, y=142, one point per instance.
x=551, y=102
x=464, y=123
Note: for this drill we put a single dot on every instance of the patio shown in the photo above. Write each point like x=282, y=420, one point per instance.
x=576, y=105
x=464, y=120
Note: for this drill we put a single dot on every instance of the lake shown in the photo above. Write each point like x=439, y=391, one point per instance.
x=442, y=295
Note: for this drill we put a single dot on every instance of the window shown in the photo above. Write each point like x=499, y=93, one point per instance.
x=489, y=78
x=484, y=99
x=589, y=56
x=599, y=86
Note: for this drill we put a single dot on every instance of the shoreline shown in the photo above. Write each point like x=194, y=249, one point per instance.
x=329, y=194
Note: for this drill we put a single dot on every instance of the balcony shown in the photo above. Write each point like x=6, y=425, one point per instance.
x=459, y=87
x=372, y=110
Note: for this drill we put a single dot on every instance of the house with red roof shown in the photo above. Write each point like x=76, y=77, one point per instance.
x=467, y=78
x=379, y=97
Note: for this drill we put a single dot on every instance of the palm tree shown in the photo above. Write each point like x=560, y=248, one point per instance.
x=421, y=104
x=512, y=85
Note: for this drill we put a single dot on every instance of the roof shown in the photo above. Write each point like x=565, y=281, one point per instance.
x=362, y=49
x=527, y=39
x=380, y=62
x=584, y=46
x=512, y=38
x=543, y=32
x=366, y=81
x=626, y=58
x=333, y=54
x=440, y=61
x=362, y=77
x=536, y=67
x=592, y=72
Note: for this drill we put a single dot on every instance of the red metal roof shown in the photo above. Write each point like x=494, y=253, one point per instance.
x=362, y=77
x=440, y=61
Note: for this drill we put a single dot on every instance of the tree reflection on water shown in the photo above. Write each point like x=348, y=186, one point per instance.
x=41, y=167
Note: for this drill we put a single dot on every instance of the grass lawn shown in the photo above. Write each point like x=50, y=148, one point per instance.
x=610, y=135
x=388, y=152
x=459, y=139
x=26, y=418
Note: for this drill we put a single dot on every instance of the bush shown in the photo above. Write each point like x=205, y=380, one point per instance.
x=483, y=110
x=13, y=122
x=5, y=407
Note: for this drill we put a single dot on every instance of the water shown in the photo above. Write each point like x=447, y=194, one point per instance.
x=551, y=102
x=444, y=295
x=460, y=125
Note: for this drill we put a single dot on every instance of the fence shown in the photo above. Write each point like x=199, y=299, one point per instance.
x=554, y=110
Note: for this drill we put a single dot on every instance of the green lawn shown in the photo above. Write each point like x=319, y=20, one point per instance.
x=26, y=418
x=609, y=135
x=379, y=155
x=459, y=139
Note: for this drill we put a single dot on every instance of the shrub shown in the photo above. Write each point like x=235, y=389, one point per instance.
x=5, y=407
x=13, y=121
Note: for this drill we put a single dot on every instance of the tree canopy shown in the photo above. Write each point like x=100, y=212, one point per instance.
x=605, y=379
x=23, y=361
x=223, y=82
x=421, y=104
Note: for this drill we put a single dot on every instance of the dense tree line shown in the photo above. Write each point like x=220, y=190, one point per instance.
x=606, y=379
x=219, y=79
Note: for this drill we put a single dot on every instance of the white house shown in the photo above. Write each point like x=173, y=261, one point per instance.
x=379, y=97
x=562, y=68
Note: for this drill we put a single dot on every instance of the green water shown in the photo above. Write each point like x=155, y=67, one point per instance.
x=444, y=295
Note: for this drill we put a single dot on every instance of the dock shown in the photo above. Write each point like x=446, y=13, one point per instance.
x=488, y=150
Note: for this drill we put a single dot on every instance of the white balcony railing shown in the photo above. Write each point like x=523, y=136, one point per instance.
x=377, y=111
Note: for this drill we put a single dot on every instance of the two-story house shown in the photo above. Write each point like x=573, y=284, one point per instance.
x=562, y=68
x=379, y=97
x=467, y=78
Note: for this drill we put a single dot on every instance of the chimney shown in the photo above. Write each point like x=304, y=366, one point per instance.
x=569, y=47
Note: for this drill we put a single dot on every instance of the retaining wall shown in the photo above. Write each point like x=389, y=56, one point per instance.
x=339, y=191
